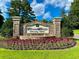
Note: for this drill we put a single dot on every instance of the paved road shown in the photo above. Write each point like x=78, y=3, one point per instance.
x=76, y=36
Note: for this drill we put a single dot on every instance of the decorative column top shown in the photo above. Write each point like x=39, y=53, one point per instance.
x=57, y=19
x=16, y=18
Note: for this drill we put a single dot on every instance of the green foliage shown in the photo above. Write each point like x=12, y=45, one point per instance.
x=2, y=38
x=44, y=20
x=23, y=9
x=74, y=13
x=71, y=21
x=1, y=20
x=50, y=21
x=67, y=32
x=75, y=8
x=6, y=29
x=67, y=27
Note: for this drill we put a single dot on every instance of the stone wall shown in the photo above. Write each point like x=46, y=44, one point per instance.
x=54, y=28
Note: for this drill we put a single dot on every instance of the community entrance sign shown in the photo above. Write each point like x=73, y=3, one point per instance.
x=36, y=29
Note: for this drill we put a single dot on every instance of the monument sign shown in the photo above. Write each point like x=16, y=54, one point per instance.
x=37, y=29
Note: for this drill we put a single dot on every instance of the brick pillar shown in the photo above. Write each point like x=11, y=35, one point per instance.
x=16, y=25
x=57, y=27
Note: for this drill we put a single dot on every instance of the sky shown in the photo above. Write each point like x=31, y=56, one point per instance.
x=43, y=9
x=4, y=6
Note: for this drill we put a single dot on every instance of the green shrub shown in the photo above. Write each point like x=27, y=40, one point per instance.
x=67, y=32
x=2, y=38
x=6, y=29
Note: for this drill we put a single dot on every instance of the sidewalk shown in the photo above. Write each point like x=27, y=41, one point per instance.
x=76, y=36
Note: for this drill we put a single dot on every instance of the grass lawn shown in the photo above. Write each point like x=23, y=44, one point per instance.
x=70, y=53
x=76, y=31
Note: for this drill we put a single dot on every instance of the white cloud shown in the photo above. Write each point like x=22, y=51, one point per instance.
x=47, y=15
x=56, y=3
x=34, y=3
x=38, y=8
x=3, y=6
x=59, y=3
x=70, y=0
x=50, y=1
x=67, y=6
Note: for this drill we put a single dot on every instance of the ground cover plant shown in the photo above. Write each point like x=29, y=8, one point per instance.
x=43, y=43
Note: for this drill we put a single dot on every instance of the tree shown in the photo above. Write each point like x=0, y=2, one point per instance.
x=7, y=28
x=45, y=21
x=67, y=32
x=22, y=8
x=75, y=8
x=1, y=20
x=67, y=27
x=74, y=13
x=71, y=21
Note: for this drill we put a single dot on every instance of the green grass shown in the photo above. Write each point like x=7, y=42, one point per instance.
x=70, y=53
x=76, y=31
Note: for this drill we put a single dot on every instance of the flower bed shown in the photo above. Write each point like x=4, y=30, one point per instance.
x=43, y=43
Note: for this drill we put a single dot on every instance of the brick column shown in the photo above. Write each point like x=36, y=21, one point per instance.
x=16, y=25
x=57, y=27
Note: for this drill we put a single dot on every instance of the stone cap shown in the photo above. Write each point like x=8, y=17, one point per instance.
x=57, y=19
x=16, y=18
